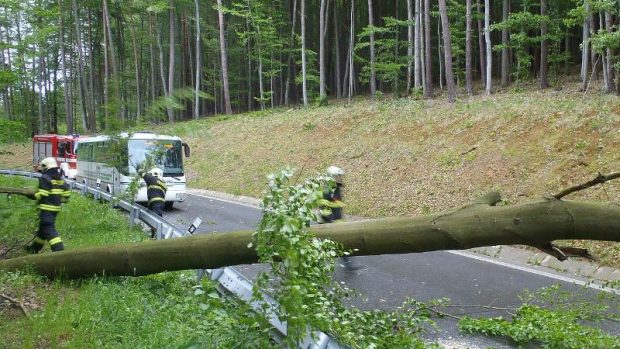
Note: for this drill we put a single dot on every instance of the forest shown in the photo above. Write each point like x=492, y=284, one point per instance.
x=90, y=66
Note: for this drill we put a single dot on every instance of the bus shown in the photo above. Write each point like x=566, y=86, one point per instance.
x=59, y=147
x=110, y=163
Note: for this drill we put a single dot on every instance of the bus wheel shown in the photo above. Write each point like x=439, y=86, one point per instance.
x=169, y=205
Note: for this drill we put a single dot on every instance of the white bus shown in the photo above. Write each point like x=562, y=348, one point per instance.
x=109, y=164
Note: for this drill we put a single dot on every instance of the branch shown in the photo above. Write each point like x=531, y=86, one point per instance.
x=16, y=302
x=29, y=193
x=598, y=180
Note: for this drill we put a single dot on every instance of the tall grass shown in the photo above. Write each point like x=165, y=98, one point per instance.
x=168, y=310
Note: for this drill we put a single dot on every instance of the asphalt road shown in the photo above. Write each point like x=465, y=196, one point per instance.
x=387, y=280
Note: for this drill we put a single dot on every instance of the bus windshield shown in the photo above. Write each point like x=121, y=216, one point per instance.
x=167, y=154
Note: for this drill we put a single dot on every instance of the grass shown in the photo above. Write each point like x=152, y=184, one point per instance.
x=163, y=310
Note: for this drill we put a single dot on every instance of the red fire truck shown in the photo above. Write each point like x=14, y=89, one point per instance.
x=60, y=147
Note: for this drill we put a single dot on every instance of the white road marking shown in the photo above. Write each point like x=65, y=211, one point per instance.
x=537, y=272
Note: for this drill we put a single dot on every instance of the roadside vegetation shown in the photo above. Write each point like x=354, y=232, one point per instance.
x=173, y=310
x=168, y=309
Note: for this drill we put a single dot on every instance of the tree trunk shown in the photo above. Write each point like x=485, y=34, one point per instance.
x=171, y=56
x=196, y=113
x=585, y=47
x=487, y=37
x=447, y=41
x=223, y=57
x=544, y=47
x=65, y=84
x=468, y=48
x=481, y=46
x=609, y=87
x=39, y=91
x=291, y=61
x=373, y=74
x=535, y=223
x=138, y=72
x=337, y=64
x=112, y=52
x=411, y=46
x=322, y=26
x=419, y=20
x=304, y=83
x=89, y=120
x=427, y=47
x=351, y=46
x=505, y=10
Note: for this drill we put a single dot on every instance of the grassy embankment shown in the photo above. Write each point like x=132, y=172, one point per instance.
x=167, y=309
x=409, y=157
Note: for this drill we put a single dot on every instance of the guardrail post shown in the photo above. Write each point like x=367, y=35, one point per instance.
x=132, y=216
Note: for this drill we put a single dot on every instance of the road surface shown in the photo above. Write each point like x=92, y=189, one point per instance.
x=387, y=280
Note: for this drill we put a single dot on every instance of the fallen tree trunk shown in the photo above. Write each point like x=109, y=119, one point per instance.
x=29, y=193
x=535, y=223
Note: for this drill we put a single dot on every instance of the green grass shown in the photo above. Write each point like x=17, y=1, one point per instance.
x=165, y=310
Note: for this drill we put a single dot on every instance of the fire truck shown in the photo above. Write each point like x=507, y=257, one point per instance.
x=60, y=147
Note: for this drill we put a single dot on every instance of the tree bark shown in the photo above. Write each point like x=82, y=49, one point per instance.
x=505, y=10
x=585, y=47
x=535, y=223
x=89, y=120
x=65, y=84
x=373, y=74
x=291, y=61
x=114, y=65
x=544, y=47
x=304, y=83
x=137, y=72
x=322, y=26
x=468, y=50
x=223, y=57
x=609, y=88
x=351, y=45
x=481, y=45
x=411, y=56
x=447, y=42
x=171, y=56
x=487, y=37
x=427, y=49
x=337, y=64
x=197, y=77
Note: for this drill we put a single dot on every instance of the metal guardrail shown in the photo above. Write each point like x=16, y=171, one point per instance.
x=229, y=280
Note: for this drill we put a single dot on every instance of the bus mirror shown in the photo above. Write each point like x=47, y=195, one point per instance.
x=186, y=149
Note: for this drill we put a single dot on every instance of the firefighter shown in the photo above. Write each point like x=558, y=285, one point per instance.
x=155, y=190
x=51, y=194
x=332, y=208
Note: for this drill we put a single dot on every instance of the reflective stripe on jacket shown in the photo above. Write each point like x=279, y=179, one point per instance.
x=52, y=191
x=155, y=188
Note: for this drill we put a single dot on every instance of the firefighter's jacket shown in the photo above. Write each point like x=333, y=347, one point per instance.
x=52, y=191
x=331, y=205
x=155, y=188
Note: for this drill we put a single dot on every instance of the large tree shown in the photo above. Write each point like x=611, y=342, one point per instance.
x=535, y=223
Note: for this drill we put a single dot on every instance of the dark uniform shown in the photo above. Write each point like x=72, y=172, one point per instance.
x=52, y=192
x=332, y=209
x=331, y=205
x=155, y=192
